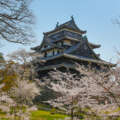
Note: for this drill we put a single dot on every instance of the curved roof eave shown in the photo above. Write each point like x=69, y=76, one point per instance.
x=58, y=29
x=68, y=26
x=94, y=45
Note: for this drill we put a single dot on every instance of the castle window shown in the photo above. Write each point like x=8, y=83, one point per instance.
x=62, y=43
x=53, y=53
x=50, y=53
x=58, y=52
x=45, y=54
x=59, y=43
x=67, y=42
x=45, y=46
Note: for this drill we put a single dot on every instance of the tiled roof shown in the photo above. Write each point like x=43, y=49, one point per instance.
x=70, y=25
x=80, y=58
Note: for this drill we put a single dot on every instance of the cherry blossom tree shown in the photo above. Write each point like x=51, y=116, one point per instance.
x=24, y=91
x=17, y=83
x=88, y=89
x=25, y=63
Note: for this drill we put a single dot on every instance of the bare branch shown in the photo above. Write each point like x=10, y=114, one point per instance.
x=16, y=21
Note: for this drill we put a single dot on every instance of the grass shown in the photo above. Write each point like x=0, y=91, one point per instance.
x=3, y=116
x=44, y=107
x=45, y=115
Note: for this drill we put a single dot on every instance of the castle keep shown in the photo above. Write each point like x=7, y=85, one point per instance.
x=66, y=45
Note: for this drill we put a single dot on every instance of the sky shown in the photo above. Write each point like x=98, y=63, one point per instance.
x=95, y=16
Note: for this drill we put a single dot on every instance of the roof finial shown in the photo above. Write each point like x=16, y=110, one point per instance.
x=72, y=17
x=57, y=24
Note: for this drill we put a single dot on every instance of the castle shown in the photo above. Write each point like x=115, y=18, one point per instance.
x=66, y=45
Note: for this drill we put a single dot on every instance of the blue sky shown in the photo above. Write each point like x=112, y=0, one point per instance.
x=95, y=16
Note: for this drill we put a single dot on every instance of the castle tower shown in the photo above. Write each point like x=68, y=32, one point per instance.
x=65, y=46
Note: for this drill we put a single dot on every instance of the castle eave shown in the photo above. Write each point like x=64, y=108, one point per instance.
x=94, y=45
x=56, y=30
x=65, y=65
x=80, y=58
x=90, y=60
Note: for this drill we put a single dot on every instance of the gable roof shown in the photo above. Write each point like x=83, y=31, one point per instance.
x=71, y=25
